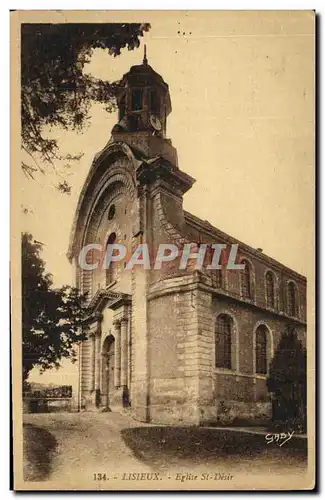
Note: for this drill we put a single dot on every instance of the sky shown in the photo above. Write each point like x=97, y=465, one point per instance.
x=242, y=92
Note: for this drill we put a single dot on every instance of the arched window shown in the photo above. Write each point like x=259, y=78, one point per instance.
x=270, y=289
x=223, y=334
x=110, y=274
x=246, y=280
x=261, y=350
x=218, y=276
x=292, y=299
x=111, y=212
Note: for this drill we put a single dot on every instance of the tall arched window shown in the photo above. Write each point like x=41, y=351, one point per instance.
x=223, y=333
x=292, y=299
x=110, y=271
x=270, y=289
x=246, y=280
x=218, y=276
x=261, y=350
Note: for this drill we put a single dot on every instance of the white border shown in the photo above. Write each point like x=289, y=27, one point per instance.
x=318, y=5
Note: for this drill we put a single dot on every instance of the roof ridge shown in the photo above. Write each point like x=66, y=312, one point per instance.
x=209, y=227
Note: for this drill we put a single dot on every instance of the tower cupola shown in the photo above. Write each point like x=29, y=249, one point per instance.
x=143, y=101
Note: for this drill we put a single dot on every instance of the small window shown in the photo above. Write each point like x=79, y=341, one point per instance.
x=110, y=270
x=246, y=280
x=111, y=212
x=261, y=350
x=292, y=300
x=137, y=99
x=223, y=334
x=270, y=289
x=111, y=239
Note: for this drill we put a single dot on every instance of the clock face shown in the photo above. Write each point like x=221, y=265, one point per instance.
x=155, y=122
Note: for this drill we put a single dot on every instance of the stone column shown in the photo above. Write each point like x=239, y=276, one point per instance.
x=117, y=365
x=129, y=352
x=124, y=352
x=92, y=362
x=97, y=370
x=103, y=380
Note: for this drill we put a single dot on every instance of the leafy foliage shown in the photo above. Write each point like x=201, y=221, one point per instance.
x=51, y=318
x=287, y=381
x=54, y=89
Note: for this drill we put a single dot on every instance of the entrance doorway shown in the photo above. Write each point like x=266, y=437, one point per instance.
x=108, y=369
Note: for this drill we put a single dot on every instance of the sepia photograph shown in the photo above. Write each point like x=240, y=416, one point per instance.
x=162, y=250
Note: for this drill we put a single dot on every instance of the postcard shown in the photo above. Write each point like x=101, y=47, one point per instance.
x=162, y=250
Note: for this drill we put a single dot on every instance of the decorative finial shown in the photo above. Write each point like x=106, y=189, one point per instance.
x=145, y=60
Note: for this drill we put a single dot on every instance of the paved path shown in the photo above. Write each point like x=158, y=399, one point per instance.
x=115, y=444
x=88, y=443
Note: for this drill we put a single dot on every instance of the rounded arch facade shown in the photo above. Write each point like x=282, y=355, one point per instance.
x=116, y=187
x=114, y=164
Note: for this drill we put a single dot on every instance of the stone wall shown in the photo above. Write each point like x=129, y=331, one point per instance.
x=180, y=346
x=241, y=389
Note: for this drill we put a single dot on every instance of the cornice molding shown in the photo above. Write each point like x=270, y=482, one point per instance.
x=104, y=298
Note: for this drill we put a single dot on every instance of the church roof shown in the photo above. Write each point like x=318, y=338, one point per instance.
x=200, y=230
x=144, y=69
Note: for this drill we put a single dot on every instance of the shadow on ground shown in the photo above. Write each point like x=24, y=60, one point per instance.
x=39, y=448
x=162, y=447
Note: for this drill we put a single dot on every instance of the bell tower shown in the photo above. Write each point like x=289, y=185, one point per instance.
x=144, y=104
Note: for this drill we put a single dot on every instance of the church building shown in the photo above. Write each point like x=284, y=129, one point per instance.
x=170, y=345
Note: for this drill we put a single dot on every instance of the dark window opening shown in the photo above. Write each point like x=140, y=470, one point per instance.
x=246, y=281
x=137, y=100
x=111, y=239
x=110, y=270
x=261, y=350
x=223, y=334
x=111, y=213
x=270, y=295
x=292, y=299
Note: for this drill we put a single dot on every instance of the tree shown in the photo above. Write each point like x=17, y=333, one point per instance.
x=287, y=382
x=51, y=318
x=54, y=89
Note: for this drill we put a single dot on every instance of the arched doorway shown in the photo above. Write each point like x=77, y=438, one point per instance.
x=108, y=351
